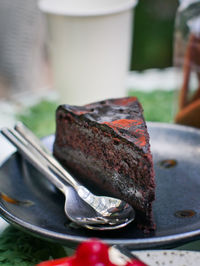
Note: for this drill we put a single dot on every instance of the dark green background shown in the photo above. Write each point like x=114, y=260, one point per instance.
x=153, y=34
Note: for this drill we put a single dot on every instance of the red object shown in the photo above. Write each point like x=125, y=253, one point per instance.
x=58, y=262
x=93, y=252
x=89, y=253
x=136, y=262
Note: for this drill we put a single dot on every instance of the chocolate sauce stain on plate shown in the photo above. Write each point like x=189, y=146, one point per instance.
x=168, y=163
x=10, y=200
x=184, y=213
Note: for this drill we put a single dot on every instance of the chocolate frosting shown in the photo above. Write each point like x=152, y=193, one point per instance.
x=117, y=114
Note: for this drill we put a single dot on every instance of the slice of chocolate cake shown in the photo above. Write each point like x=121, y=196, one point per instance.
x=107, y=144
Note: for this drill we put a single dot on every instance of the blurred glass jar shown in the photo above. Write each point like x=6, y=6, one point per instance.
x=187, y=62
x=23, y=60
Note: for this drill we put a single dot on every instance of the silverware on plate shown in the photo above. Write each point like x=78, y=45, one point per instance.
x=81, y=206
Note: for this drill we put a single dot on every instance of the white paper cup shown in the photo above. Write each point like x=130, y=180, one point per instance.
x=90, y=46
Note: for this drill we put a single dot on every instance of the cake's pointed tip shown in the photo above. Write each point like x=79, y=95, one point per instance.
x=77, y=110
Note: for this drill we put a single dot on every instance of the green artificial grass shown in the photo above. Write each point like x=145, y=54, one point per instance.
x=40, y=118
x=21, y=249
x=158, y=105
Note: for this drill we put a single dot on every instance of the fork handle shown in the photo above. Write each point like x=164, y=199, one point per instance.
x=38, y=145
x=35, y=159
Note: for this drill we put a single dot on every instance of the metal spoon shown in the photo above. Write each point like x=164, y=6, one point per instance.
x=81, y=206
x=88, y=218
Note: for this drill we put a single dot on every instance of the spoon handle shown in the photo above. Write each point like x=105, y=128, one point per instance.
x=33, y=157
x=37, y=144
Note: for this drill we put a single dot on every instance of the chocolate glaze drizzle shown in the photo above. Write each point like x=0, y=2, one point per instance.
x=168, y=163
x=184, y=213
x=10, y=200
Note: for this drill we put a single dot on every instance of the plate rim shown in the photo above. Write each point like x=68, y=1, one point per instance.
x=136, y=243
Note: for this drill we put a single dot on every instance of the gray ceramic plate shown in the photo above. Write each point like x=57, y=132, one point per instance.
x=38, y=208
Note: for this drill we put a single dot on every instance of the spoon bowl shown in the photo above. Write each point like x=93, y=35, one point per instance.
x=83, y=214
